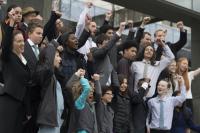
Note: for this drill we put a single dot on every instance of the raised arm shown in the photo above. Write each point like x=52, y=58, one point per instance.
x=50, y=28
x=131, y=32
x=7, y=40
x=106, y=22
x=75, y=77
x=97, y=86
x=180, y=99
x=182, y=40
x=80, y=102
x=101, y=52
x=140, y=31
x=195, y=72
x=83, y=38
x=81, y=22
x=137, y=97
x=168, y=56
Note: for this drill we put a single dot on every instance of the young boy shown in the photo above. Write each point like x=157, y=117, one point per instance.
x=161, y=107
x=104, y=112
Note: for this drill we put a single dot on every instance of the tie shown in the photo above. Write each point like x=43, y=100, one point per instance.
x=36, y=51
x=145, y=70
x=161, y=120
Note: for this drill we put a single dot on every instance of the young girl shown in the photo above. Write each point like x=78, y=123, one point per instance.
x=122, y=107
x=182, y=69
x=85, y=94
x=170, y=74
x=52, y=103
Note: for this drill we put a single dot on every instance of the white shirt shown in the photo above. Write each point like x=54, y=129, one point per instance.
x=24, y=61
x=155, y=46
x=85, y=49
x=81, y=22
x=190, y=77
x=32, y=44
x=169, y=104
x=153, y=72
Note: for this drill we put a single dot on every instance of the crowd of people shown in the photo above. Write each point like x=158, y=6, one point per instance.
x=89, y=80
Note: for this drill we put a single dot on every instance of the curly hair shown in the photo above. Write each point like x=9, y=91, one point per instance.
x=141, y=55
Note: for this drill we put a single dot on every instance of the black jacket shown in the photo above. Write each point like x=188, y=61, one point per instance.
x=16, y=75
x=122, y=122
x=47, y=114
x=139, y=110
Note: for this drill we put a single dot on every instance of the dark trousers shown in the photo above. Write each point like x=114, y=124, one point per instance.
x=189, y=104
x=31, y=125
x=159, y=131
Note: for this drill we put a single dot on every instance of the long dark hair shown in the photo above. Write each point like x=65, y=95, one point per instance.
x=15, y=32
x=9, y=9
x=141, y=55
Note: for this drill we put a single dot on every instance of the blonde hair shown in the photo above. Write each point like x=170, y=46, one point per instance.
x=184, y=74
x=77, y=89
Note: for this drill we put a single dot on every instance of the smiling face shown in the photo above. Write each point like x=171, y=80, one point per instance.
x=146, y=41
x=107, y=97
x=148, y=52
x=183, y=65
x=18, y=43
x=124, y=85
x=162, y=88
x=159, y=35
x=172, y=67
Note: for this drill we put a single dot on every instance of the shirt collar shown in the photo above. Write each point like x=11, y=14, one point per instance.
x=145, y=61
x=158, y=99
x=26, y=24
x=90, y=39
x=31, y=43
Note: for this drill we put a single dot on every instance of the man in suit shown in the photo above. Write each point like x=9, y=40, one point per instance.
x=160, y=34
x=31, y=53
x=101, y=60
x=139, y=106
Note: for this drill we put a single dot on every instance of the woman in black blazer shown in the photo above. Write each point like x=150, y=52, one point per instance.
x=14, y=100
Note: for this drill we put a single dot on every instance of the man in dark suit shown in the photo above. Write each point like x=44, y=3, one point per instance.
x=139, y=106
x=175, y=47
x=159, y=35
x=31, y=53
x=101, y=60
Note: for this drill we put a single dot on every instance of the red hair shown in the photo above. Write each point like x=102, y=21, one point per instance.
x=184, y=74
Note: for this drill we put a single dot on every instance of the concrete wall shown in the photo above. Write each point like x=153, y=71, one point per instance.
x=195, y=64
